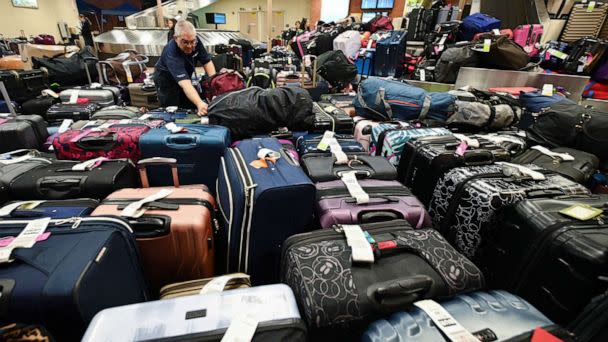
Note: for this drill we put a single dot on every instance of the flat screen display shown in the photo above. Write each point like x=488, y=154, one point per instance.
x=373, y=4
x=215, y=18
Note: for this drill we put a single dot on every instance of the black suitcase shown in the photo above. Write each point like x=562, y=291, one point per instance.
x=555, y=261
x=426, y=159
x=38, y=105
x=10, y=172
x=74, y=111
x=338, y=296
x=465, y=199
x=592, y=324
x=324, y=168
x=59, y=181
x=579, y=170
x=22, y=132
x=341, y=100
x=421, y=22
x=331, y=118
x=23, y=85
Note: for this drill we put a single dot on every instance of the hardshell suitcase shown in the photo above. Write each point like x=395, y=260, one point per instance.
x=466, y=199
x=574, y=164
x=339, y=295
x=73, y=111
x=194, y=287
x=102, y=95
x=387, y=200
x=116, y=113
x=331, y=118
x=485, y=316
x=205, y=317
x=250, y=239
x=143, y=96
x=447, y=13
x=173, y=225
x=62, y=281
x=390, y=54
x=363, y=131
x=323, y=168
x=310, y=144
x=22, y=132
x=365, y=62
x=391, y=141
x=19, y=162
x=584, y=21
x=58, y=209
x=528, y=37
x=341, y=100
x=348, y=42
x=554, y=260
x=23, y=85
x=197, y=149
x=68, y=179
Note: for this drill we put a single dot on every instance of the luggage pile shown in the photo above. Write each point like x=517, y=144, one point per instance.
x=298, y=211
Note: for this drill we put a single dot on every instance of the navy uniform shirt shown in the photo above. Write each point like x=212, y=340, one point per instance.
x=174, y=63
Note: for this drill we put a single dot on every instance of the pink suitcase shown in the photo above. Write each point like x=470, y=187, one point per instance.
x=363, y=130
x=528, y=37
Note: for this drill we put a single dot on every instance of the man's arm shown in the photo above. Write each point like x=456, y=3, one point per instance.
x=193, y=96
x=209, y=68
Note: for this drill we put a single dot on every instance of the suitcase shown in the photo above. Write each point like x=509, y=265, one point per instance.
x=592, y=323
x=254, y=206
x=391, y=142
x=194, y=287
x=198, y=151
x=58, y=180
x=477, y=23
x=174, y=232
x=407, y=265
x=447, y=13
x=420, y=22
x=73, y=111
x=74, y=267
x=331, y=118
x=23, y=85
x=585, y=55
x=38, y=105
x=348, y=42
x=341, y=100
x=309, y=143
x=365, y=63
x=102, y=95
x=19, y=162
x=390, y=54
x=172, y=114
x=324, y=168
x=577, y=165
x=143, y=96
x=22, y=132
x=528, y=37
x=485, y=316
x=363, y=130
x=206, y=318
x=388, y=200
x=428, y=158
x=584, y=23
x=466, y=199
x=554, y=260
x=12, y=62
x=117, y=113
x=60, y=209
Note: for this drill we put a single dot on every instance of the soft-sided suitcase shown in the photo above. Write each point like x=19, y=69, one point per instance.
x=143, y=96
x=574, y=164
x=15, y=164
x=324, y=168
x=174, y=226
x=428, y=158
x=173, y=114
x=22, y=132
x=554, y=260
x=391, y=140
x=348, y=42
x=38, y=105
x=64, y=180
x=23, y=85
x=102, y=95
x=59, y=209
x=62, y=281
x=387, y=200
x=194, y=287
x=584, y=21
x=528, y=37
x=390, y=54
x=339, y=291
x=197, y=149
x=477, y=23
x=485, y=316
x=206, y=317
x=330, y=118
x=255, y=202
x=340, y=100
x=466, y=199
x=73, y=111
x=310, y=144
x=117, y=113
x=44, y=39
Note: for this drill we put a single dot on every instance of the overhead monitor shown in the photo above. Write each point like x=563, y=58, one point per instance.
x=215, y=18
x=374, y=4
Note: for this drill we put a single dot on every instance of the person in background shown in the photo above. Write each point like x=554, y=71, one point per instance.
x=174, y=69
x=85, y=30
x=179, y=15
x=171, y=25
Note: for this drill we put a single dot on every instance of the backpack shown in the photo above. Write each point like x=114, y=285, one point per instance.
x=262, y=77
x=221, y=83
x=381, y=23
x=335, y=68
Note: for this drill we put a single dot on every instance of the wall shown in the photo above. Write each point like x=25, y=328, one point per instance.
x=36, y=21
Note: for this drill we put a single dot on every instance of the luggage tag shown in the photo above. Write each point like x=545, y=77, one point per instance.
x=241, y=328
x=554, y=155
x=136, y=209
x=445, y=322
x=49, y=92
x=514, y=170
x=128, y=73
x=218, y=284
x=582, y=212
x=354, y=188
x=422, y=75
x=591, y=6
x=470, y=141
x=6, y=241
x=487, y=43
x=173, y=128
x=26, y=205
x=65, y=125
x=265, y=155
x=557, y=54
x=26, y=239
x=74, y=96
x=462, y=148
x=324, y=143
x=496, y=32
x=547, y=90
x=361, y=250
x=89, y=164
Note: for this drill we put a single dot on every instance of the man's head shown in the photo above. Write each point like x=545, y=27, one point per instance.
x=185, y=36
x=81, y=17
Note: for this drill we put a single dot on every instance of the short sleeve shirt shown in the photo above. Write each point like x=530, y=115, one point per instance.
x=174, y=62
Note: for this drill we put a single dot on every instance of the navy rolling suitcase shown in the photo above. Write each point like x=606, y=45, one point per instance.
x=390, y=53
x=197, y=149
x=365, y=62
x=172, y=114
x=309, y=144
x=75, y=269
x=60, y=209
x=260, y=208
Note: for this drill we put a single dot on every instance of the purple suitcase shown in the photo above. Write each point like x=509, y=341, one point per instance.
x=389, y=200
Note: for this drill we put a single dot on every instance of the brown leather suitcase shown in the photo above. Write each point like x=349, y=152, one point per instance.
x=174, y=231
x=193, y=287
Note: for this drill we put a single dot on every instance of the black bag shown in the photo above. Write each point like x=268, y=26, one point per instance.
x=330, y=118
x=574, y=126
x=262, y=77
x=324, y=168
x=69, y=71
x=23, y=85
x=254, y=111
x=554, y=260
x=9, y=172
x=335, y=68
x=592, y=323
x=579, y=170
x=22, y=132
x=338, y=296
x=74, y=111
x=38, y=105
x=451, y=60
x=322, y=43
x=579, y=52
x=504, y=54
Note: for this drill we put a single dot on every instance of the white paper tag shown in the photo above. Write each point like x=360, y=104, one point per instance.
x=354, y=188
x=74, y=96
x=8, y=209
x=470, y=141
x=422, y=75
x=89, y=164
x=361, y=249
x=442, y=40
x=547, y=90
x=65, y=125
x=135, y=209
x=546, y=151
x=218, y=284
x=580, y=68
x=173, y=128
x=241, y=328
x=49, y=92
x=25, y=239
x=324, y=143
x=171, y=109
x=445, y=322
x=498, y=139
x=496, y=32
x=144, y=117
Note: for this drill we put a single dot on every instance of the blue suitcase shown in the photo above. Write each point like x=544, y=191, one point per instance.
x=489, y=316
x=260, y=208
x=477, y=23
x=308, y=144
x=170, y=115
x=56, y=209
x=197, y=151
x=390, y=55
x=365, y=63
x=83, y=266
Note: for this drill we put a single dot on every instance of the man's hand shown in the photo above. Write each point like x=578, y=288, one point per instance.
x=202, y=109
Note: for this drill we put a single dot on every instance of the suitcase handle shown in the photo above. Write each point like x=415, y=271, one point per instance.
x=397, y=293
x=62, y=185
x=150, y=226
x=156, y=161
x=378, y=216
x=478, y=158
x=181, y=142
x=544, y=193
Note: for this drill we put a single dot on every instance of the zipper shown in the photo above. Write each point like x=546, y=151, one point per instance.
x=211, y=106
x=377, y=191
x=231, y=207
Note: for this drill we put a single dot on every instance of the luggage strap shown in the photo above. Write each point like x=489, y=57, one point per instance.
x=89, y=164
x=217, y=284
x=509, y=169
x=349, y=179
x=498, y=139
x=381, y=92
x=137, y=208
x=470, y=141
x=554, y=155
x=445, y=322
x=426, y=106
x=361, y=249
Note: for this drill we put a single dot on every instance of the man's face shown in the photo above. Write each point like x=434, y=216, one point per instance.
x=186, y=42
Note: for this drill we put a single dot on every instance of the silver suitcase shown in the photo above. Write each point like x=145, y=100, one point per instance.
x=103, y=95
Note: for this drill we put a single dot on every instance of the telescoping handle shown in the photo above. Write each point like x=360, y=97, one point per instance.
x=156, y=161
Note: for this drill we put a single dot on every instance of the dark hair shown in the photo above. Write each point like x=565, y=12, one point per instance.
x=84, y=16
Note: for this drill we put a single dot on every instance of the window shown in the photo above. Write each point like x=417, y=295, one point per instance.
x=377, y=4
x=367, y=16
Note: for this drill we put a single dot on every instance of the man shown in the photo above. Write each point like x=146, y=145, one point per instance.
x=174, y=69
x=85, y=30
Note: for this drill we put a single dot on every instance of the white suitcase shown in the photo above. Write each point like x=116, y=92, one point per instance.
x=349, y=42
x=204, y=316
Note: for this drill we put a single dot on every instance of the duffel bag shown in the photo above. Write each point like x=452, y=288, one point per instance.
x=383, y=100
x=536, y=101
x=504, y=54
x=68, y=71
x=335, y=68
x=127, y=67
x=481, y=114
x=451, y=60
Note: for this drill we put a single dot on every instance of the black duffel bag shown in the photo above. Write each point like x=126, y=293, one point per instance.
x=69, y=71
x=570, y=125
x=335, y=68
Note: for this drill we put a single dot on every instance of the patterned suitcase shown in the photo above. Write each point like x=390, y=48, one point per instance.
x=466, y=199
x=391, y=141
x=363, y=131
